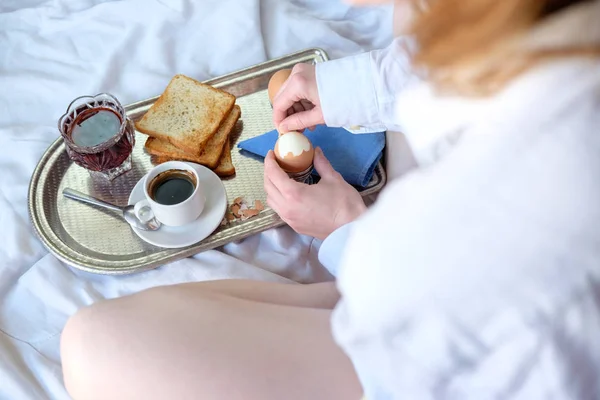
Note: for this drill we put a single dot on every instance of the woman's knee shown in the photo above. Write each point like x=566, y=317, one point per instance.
x=77, y=347
x=90, y=340
x=96, y=343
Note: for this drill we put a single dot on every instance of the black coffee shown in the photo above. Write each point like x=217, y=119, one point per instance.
x=172, y=187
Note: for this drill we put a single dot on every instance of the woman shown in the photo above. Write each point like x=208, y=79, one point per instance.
x=474, y=276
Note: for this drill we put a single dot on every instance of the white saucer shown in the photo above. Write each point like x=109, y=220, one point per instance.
x=173, y=237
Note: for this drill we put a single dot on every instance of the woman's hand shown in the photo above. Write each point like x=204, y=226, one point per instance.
x=314, y=210
x=297, y=106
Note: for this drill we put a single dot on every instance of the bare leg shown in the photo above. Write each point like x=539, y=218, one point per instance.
x=182, y=342
x=317, y=295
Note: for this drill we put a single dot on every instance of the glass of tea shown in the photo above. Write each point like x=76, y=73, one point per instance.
x=98, y=135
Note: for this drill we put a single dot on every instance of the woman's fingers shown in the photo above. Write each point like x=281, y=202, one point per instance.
x=300, y=121
x=274, y=198
x=323, y=166
x=284, y=195
x=288, y=188
x=307, y=105
x=298, y=107
x=300, y=94
x=274, y=204
x=290, y=93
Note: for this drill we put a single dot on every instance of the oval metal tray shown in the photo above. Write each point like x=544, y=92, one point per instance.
x=96, y=241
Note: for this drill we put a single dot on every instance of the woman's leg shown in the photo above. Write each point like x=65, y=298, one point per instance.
x=183, y=342
x=316, y=295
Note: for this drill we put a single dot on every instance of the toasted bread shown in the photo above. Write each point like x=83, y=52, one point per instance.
x=224, y=169
x=211, y=153
x=157, y=160
x=187, y=114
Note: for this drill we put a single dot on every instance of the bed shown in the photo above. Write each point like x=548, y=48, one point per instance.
x=52, y=51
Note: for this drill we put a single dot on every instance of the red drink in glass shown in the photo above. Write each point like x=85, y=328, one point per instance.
x=98, y=135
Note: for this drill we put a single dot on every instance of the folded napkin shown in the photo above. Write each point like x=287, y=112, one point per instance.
x=354, y=156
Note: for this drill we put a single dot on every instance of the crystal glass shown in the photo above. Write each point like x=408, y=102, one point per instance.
x=98, y=135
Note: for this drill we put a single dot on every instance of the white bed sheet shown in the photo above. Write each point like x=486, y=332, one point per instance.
x=54, y=50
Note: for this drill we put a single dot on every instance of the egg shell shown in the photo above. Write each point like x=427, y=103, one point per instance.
x=276, y=81
x=294, y=152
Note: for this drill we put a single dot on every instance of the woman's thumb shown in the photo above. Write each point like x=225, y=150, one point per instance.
x=302, y=120
x=323, y=166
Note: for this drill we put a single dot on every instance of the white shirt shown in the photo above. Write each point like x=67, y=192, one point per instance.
x=476, y=276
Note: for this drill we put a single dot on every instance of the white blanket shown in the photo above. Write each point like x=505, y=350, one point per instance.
x=52, y=51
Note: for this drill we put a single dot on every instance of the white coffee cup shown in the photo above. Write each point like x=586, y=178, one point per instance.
x=177, y=214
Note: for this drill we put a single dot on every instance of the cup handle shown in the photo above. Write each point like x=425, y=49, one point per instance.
x=143, y=211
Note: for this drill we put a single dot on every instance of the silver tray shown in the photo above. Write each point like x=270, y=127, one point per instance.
x=95, y=241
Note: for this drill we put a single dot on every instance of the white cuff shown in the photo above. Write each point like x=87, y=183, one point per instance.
x=330, y=252
x=347, y=93
x=359, y=129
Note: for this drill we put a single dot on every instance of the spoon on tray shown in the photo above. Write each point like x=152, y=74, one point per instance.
x=145, y=224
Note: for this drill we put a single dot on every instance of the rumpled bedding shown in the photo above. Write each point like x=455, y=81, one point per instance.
x=52, y=51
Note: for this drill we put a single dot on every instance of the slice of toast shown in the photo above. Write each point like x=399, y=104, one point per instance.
x=211, y=153
x=187, y=114
x=224, y=169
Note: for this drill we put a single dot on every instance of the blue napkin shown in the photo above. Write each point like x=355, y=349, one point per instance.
x=354, y=156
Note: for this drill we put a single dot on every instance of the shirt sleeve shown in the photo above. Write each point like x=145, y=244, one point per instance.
x=470, y=279
x=359, y=92
x=332, y=247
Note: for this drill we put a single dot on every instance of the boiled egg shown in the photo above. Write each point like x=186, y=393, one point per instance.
x=276, y=81
x=294, y=152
